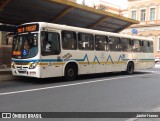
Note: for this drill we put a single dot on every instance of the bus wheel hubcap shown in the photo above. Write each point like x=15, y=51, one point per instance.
x=70, y=72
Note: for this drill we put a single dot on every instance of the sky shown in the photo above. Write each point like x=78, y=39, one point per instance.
x=121, y=3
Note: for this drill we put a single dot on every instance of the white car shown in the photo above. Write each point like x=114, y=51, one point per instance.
x=156, y=59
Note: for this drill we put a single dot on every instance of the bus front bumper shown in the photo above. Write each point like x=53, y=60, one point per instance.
x=27, y=72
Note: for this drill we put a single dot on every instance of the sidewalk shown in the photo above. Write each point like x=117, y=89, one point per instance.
x=5, y=74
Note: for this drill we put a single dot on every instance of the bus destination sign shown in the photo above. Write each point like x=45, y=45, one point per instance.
x=28, y=28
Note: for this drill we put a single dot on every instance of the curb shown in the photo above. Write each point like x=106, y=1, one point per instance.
x=5, y=77
x=5, y=74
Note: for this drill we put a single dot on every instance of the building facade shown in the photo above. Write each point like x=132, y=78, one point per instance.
x=148, y=13
x=5, y=49
x=145, y=11
x=108, y=7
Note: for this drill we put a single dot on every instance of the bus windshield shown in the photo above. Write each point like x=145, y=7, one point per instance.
x=25, y=46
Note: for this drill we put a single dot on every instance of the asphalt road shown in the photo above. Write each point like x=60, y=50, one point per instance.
x=110, y=92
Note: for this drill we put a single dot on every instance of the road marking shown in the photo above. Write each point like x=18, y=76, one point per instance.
x=67, y=85
x=147, y=71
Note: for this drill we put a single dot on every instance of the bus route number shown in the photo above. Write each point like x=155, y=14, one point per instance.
x=27, y=28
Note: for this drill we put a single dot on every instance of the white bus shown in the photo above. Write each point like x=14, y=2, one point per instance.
x=45, y=50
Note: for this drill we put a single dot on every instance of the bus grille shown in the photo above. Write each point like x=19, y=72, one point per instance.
x=22, y=63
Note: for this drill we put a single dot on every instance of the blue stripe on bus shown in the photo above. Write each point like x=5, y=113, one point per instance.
x=39, y=60
x=26, y=60
x=79, y=60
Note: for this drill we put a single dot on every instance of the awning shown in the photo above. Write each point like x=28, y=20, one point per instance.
x=16, y=12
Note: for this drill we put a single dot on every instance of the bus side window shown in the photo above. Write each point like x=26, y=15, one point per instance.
x=85, y=41
x=42, y=40
x=50, y=44
x=148, y=46
x=114, y=44
x=69, y=40
x=126, y=45
x=136, y=46
x=151, y=47
x=101, y=43
x=145, y=46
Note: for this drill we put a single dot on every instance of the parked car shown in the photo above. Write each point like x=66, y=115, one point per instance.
x=157, y=59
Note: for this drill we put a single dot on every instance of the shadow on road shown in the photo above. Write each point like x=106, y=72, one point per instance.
x=79, y=78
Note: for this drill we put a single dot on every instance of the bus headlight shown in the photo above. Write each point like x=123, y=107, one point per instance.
x=33, y=65
x=13, y=65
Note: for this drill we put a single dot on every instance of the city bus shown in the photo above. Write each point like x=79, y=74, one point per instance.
x=44, y=50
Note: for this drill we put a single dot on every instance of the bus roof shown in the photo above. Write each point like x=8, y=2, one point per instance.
x=78, y=29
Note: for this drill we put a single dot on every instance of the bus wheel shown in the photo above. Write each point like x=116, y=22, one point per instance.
x=130, y=68
x=70, y=73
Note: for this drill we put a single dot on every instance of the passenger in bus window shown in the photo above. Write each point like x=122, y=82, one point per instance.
x=26, y=49
x=26, y=45
x=99, y=46
x=80, y=45
x=136, y=47
x=48, y=47
x=129, y=48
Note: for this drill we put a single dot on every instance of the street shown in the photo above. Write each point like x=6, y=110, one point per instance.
x=109, y=92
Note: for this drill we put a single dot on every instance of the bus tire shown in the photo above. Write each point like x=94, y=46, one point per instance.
x=70, y=72
x=130, y=68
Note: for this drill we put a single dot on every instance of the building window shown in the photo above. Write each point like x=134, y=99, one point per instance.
x=152, y=14
x=143, y=15
x=134, y=14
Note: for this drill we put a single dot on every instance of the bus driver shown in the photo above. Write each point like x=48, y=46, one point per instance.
x=29, y=51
